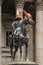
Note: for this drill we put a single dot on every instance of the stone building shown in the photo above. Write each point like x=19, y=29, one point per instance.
x=35, y=51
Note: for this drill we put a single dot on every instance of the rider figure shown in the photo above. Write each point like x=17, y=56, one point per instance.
x=20, y=33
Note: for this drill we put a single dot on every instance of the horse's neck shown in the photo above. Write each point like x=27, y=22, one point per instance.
x=23, y=29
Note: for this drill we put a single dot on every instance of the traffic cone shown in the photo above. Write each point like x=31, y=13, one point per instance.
x=18, y=17
x=27, y=15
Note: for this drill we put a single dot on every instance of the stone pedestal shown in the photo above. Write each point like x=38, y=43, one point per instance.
x=23, y=63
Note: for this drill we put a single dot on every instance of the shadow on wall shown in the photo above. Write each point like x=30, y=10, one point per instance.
x=9, y=6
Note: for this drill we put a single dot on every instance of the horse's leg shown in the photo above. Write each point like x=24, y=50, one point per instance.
x=11, y=49
x=16, y=49
x=26, y=47
x=20, y=53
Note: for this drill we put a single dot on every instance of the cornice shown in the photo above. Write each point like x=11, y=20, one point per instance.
x=39, y=5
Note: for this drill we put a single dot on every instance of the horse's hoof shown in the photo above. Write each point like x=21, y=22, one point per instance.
x=21, y=59
x=27, y=59
x=13, y=58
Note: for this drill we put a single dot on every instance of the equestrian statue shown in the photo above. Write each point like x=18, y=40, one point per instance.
x=19, y=34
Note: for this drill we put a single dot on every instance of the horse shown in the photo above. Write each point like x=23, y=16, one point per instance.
x=20, y=37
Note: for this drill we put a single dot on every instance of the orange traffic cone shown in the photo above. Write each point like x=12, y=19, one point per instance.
x=18, y=17
x=27, y=15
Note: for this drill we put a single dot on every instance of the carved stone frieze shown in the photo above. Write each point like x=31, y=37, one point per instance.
x=39, y=5
x=39, y=8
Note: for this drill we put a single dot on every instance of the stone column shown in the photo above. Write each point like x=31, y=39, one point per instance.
x=39, y=32
x=0, y=35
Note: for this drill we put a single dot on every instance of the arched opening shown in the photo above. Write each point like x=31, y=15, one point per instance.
x=8, y=14
x=9, y=7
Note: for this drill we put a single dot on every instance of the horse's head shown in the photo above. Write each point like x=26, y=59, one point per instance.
x=28, y=18
x=31, y=21
x=28, y=21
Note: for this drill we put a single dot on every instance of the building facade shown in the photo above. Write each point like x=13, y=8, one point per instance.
x=35, y=51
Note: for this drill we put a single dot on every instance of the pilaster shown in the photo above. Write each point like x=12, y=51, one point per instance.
x=0, y=35
x=39, y=32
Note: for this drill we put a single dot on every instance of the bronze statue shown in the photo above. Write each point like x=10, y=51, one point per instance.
x=20, y=36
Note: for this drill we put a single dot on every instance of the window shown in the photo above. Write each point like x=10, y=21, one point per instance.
x=8, y=33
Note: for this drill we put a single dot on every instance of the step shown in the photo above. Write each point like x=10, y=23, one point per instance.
x=23, y=63
x=6, y=55
x=6, y=49
x=6, y=52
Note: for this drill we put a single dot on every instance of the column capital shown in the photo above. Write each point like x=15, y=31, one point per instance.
x=0, y=2
x=39, y=5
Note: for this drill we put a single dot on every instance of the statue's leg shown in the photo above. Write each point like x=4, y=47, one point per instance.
x=20, y=53
x=16, y=49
